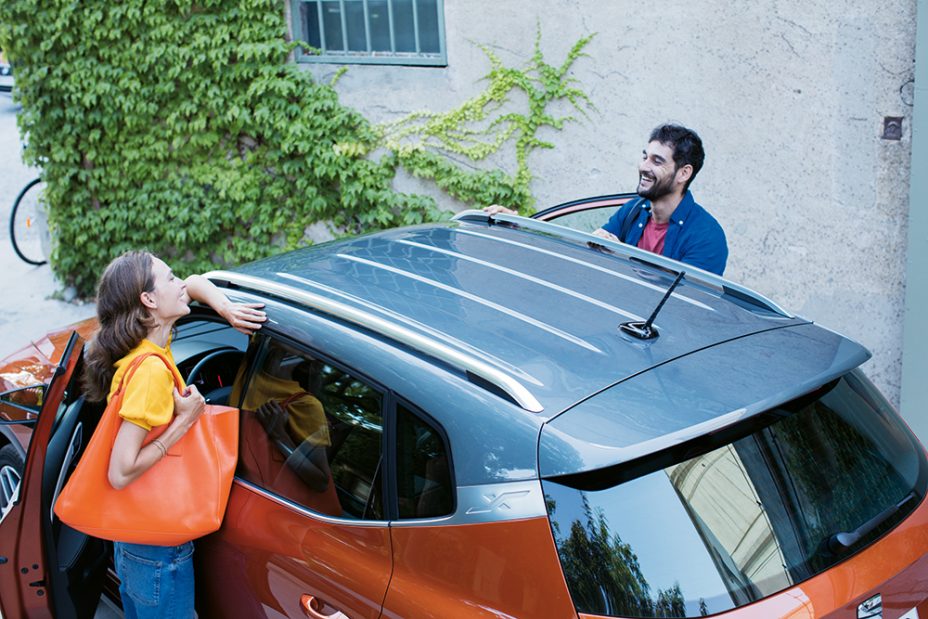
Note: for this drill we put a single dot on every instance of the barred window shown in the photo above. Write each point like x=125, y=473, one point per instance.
x=408, y=32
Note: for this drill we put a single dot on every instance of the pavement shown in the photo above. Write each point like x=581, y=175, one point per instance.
x=28, y=308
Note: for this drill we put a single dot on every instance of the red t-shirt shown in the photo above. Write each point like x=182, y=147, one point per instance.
x=652, y=238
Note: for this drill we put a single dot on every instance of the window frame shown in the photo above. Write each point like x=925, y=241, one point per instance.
x=392, y=464
x=253, y=353
x=326, y=56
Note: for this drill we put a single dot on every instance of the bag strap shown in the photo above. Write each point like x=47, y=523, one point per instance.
x=137, y=362
x=630, y=218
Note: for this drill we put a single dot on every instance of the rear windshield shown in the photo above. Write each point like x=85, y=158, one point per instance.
x=804, y=487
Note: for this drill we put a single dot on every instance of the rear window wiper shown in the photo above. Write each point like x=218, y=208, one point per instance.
x=842, y=541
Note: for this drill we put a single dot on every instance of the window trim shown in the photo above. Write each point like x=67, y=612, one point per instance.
x=302, y=55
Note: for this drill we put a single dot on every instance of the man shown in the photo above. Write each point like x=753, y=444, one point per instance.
x=665, y=219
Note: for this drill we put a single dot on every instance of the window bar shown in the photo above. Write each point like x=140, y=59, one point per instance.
x=415, y=23
x=324, y=48
x=341, y=9
x=390, y=17
x=367, y=27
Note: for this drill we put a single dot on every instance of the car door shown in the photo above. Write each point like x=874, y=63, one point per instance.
x=305, y=533
x=46, y=568
x=585, y=214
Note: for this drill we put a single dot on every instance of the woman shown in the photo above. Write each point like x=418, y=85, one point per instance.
x=138, y=301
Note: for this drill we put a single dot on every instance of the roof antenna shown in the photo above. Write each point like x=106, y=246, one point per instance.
x=645, y=330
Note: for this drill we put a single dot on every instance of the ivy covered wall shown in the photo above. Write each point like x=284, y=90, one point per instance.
x=183, y=127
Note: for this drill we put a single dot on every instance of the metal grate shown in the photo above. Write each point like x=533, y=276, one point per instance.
x=371, y=31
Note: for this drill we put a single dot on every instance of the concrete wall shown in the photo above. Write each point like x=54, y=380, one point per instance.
x=789, y=97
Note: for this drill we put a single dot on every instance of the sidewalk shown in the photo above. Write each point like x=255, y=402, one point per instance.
x=27, y=310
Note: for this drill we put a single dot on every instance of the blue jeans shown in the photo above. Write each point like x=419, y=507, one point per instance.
x=156, y=582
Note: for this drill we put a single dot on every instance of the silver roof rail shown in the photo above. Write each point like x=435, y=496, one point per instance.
x=515, y=390
x=694, y=274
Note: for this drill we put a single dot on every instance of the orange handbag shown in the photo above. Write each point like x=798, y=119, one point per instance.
x=182, y=497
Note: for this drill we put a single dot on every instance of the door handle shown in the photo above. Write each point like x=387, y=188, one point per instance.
x=314, y=608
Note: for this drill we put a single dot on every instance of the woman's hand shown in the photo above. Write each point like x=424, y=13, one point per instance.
x=188, y=406
x=244, y=317
x=273, y=419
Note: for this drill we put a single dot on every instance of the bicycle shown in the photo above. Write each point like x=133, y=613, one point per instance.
x=28, y=225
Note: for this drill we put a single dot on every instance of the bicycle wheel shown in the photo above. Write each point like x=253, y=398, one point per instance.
x=28, y=225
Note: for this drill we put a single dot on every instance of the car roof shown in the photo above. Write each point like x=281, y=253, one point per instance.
x=533, y=301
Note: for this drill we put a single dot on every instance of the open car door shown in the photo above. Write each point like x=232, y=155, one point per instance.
x=48, y=569
x=585, y=214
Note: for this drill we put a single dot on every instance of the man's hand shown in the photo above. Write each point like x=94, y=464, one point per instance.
x=494, y=209
x=605, y=234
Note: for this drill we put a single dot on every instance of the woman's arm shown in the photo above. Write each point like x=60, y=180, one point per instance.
x=128, y=459
x=244, y=317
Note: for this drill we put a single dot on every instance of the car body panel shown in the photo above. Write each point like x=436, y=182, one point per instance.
x=23, y=375
x=270, y=553
x=502, y=569
x=694, y=395
x=34, y=363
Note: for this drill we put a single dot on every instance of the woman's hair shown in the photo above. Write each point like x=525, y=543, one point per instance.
x=124, y=321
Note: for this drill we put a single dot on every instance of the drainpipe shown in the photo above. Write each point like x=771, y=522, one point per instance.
x=914, y=397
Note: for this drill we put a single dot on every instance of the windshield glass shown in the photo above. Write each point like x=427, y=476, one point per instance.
x=818, y=479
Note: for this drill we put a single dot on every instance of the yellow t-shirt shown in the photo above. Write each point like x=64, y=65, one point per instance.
x=306, y=420
x=149, y=397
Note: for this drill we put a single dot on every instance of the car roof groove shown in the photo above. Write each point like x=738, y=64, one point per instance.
x=530, y=278
x=694, y=274
x=508, y=311
x=595, y=267
x=413, y=323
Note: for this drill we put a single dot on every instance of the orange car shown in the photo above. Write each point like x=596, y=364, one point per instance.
x=502, y=417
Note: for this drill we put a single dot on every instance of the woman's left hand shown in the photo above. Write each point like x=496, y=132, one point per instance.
x=244, y=317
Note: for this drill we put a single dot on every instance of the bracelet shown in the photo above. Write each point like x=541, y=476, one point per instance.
x=157, y=443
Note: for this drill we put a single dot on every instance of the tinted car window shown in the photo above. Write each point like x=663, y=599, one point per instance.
x=311, y=433
x=828, y=476
x=423, y=468
x=586, y=220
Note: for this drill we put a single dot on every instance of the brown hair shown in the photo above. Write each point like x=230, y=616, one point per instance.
x=124, y=321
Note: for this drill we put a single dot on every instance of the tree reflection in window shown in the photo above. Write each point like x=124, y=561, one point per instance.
x=605, y=573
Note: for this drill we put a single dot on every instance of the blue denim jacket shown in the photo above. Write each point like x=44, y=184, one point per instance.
x=694, y=236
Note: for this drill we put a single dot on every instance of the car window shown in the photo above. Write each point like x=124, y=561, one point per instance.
x=311, y=432
x=586, y=220
x=424, y=485
x=826, y=477
x=21, y=404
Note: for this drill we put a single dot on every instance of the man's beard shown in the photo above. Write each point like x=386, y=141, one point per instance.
x=658, y=189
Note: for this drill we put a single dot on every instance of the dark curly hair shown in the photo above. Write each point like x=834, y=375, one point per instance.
x=686, y=145
x=124, y=321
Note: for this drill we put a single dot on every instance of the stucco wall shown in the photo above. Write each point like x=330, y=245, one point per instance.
x=789, y=98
